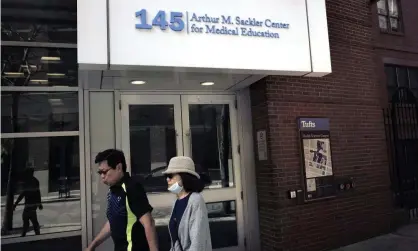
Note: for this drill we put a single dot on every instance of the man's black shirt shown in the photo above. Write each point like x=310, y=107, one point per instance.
x=132, y=192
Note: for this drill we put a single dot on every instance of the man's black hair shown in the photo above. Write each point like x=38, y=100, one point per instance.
x=113, y=158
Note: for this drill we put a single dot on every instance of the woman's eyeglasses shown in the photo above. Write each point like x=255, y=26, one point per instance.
x=104, y=172
x=169, y=176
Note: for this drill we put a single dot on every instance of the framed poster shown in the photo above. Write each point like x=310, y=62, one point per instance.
x=317, y=165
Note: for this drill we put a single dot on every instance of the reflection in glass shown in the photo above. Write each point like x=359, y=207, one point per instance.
x=55, y=183
x=390, y=72
x=24, y=66
x=40, y=21
x=162, y=218
x=393, y=8
x=403, y=79
x=381, y=7
x=25, y=31
x=391, y=78
x=39, y=112
x=383, y=22
x=413, y=77
x=394, y=24
x=222, y=223
x=211, y=143
x=152, y=142
x=413, y=80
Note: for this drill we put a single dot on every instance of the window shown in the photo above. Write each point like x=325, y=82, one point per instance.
x=38, y=67
x=39, y=111
x=58, y=166
x=400, y=76
x=40, y=146
x=389, y=15
x=22, y=30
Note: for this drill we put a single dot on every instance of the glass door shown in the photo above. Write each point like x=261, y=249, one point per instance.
x=210, y=137
x=151, y=136
x=158, y=127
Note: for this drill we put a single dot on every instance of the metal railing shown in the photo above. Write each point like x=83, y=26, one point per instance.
x=401, y=125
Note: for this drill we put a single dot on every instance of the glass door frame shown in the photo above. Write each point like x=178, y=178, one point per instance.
x=156, y=199
x=182, y=126
x=219, y=194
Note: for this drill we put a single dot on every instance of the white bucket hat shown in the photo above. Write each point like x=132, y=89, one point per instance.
x=181, y=164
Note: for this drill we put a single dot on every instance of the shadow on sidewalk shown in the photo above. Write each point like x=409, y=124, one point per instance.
x=403, y=239
x=61, y=244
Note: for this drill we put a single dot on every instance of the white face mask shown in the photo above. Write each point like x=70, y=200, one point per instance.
x=175, y=188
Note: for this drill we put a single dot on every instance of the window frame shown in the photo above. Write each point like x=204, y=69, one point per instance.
x=387, y=16
x=40, y=45
x=50, y=134
x=390, y=88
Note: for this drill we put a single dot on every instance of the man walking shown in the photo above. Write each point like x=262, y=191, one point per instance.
x=130, y=223
x=32, y=196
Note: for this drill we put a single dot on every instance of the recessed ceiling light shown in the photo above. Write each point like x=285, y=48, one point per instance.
x=40, y=81
x=207, y=83
x=14, y=73
x=138, y=82
x=28, y=66
x=45, y=58
x=56, y=101
x=55, y=74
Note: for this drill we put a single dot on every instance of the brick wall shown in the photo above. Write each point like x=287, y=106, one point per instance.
x=350, y=98
x=399, y=49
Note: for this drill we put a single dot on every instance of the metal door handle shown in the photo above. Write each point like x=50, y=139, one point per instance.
x=189, y=134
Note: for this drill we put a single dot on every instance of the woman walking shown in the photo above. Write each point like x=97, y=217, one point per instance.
x=189, y=223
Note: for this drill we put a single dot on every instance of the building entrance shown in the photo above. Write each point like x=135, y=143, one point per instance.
x=204, y=127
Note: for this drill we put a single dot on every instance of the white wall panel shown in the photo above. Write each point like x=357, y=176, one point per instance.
x=102, y=136
x=92, y=34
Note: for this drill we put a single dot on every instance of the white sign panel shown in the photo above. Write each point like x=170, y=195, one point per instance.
x=262, y=145
x=286, y=37
x=270, y=35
